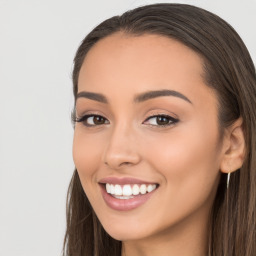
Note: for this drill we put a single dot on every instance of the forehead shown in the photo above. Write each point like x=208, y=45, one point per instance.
x=152, y=47
x=129, y=64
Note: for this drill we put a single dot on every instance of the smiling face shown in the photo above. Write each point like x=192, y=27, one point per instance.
x=146, y=117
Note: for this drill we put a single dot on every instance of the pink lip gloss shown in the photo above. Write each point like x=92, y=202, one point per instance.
x=125, y=204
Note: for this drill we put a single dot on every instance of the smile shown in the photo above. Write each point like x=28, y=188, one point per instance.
x=128, y=191
x=125, y=194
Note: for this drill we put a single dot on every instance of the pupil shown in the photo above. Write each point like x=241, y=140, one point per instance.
x=162, y=120
x=98, y=120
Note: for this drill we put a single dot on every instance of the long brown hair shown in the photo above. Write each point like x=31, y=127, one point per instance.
x=229, y=70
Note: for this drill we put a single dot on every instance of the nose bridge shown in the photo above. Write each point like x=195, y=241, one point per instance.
x=121, y=148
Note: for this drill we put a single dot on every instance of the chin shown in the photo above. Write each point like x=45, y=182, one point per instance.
x=126, y=232
x=123, y=235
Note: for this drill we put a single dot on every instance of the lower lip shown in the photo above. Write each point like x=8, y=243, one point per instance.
x=125, y=204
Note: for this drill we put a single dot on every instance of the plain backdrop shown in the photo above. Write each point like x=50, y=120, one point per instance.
x=38, y=40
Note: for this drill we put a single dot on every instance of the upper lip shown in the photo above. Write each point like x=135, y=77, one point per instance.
x=124, y=180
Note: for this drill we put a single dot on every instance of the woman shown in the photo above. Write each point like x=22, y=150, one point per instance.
x=164, y=142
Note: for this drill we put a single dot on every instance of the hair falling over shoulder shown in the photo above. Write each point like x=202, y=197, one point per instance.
x=230, y=71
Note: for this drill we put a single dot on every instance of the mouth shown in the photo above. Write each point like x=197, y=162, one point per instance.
x=129, y=191
x=124, y=197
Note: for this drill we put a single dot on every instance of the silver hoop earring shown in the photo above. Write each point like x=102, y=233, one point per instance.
x=228, y=178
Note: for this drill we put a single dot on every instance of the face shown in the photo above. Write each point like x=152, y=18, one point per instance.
x=146, y=121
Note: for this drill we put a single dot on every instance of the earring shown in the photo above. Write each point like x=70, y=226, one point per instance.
x=228, y=178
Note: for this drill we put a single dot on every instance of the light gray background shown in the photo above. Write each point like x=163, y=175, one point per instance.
x=38, y=40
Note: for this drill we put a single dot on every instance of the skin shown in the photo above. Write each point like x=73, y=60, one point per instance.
x=184, y=158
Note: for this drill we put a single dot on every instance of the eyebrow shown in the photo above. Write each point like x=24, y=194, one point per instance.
x=92, y=96
x=154, y=94
x=137, y=99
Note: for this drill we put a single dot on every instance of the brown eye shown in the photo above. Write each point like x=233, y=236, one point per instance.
x=98, y=120
x=162, y=120
x=92, y=120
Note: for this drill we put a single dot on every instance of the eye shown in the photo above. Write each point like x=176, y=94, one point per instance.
x=92, y=120
x=161, y=120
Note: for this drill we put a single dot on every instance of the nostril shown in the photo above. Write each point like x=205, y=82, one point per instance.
x=121, y=164
x=125, y=163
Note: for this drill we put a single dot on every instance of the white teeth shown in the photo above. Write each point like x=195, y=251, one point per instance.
x=143, y=189
x=135, y=190
x=126, y=191
x=108, y=188
x=112, y=189
x=123, y=197
x=118, y=190
x=151, y=187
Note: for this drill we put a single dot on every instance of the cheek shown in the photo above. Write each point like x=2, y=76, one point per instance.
x=188, y=164
x=86, y=156
x=188, y=157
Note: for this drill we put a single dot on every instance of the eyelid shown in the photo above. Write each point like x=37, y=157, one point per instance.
x=82, y=114
x=82, y=119
x=171, y=118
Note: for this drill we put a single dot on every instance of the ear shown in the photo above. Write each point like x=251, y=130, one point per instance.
x=233, y=148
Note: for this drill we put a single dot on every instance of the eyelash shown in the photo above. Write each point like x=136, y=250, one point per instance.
x=171, y=120
x=84, y=120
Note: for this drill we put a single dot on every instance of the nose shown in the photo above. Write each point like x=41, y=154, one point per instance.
x=121, y=149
